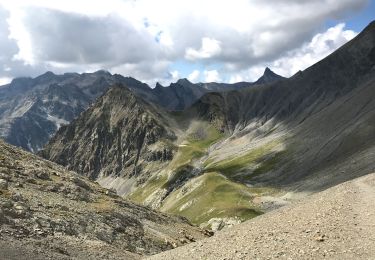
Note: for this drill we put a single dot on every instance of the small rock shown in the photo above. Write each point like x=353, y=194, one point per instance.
x=42, y=175
x=31, y=180
x=18, y=185
x=111, y=192
x=3, y=184
x=80, y=183
x=4, y=176
x=320, y=238
x=21, y=210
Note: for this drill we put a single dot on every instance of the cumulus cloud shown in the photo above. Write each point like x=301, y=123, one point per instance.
x=146, y=38
x=212, y=76
x=209, y=49
x=194, y=76
x=320, y=46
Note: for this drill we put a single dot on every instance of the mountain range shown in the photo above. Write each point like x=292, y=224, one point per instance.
x=214, y=154
x=33, y=109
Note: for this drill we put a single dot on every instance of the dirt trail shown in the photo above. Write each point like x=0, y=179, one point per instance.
x=338, y=223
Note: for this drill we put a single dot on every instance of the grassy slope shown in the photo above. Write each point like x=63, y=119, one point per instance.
x=212, y=195
x=192, y=148
x=254, y=162
x=216, y=193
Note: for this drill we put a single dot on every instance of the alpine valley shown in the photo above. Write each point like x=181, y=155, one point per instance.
x=213, y=154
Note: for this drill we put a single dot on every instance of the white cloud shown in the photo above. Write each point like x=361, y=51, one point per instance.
x=145, y=38
x=4, y=81
x=209, y=49
x=211, y=76
x=320, y=46
x=194, y=76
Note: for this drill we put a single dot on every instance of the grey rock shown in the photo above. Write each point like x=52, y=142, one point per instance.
x=3, y=184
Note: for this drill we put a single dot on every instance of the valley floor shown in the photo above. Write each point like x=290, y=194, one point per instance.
x=338, y=223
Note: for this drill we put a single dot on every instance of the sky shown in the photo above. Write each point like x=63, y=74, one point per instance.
x=164, y=40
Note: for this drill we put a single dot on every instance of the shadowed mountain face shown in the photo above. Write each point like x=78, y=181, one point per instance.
x=232, y=152
x=32, y=110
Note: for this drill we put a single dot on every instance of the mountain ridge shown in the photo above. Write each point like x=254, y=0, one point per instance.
x=21, y=92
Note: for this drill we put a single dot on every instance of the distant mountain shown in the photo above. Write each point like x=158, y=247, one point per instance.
x=183, y=93
x=179, y=95
x=268, y=77
x=32, y=110
x=233, y=154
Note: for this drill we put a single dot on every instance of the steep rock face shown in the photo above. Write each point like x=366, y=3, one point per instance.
x=32, y=110
x=49, y=212
x=118, y=136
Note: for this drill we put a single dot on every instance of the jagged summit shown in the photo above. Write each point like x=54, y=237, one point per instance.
x=158, y=85
x=268, y=77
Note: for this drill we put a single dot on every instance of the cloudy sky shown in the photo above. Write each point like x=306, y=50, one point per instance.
x=163, y=40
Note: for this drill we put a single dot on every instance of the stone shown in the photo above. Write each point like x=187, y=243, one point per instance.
x=42, y=175
x=5, y=176
x=111, y=192
x=3, y=184
x=21, y=210
x=320, y=238
x=80, y=183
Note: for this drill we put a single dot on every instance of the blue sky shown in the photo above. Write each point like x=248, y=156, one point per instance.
x=164, y=40
x=359, y=20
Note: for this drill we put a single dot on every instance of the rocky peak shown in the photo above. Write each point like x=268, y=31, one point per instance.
x=184, y=82
x=118, y=136
x=103, y=72
x=158, y=85
x=268, y=77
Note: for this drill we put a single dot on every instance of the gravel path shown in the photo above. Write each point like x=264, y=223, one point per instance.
x=338, y=223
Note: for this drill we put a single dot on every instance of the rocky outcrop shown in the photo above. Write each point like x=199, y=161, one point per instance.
x=50, y=212
x=120, y=135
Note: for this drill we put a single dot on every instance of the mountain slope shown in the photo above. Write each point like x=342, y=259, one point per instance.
x=120, y=135
x=324, y=113
x=49, y=212
x=337, y=223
